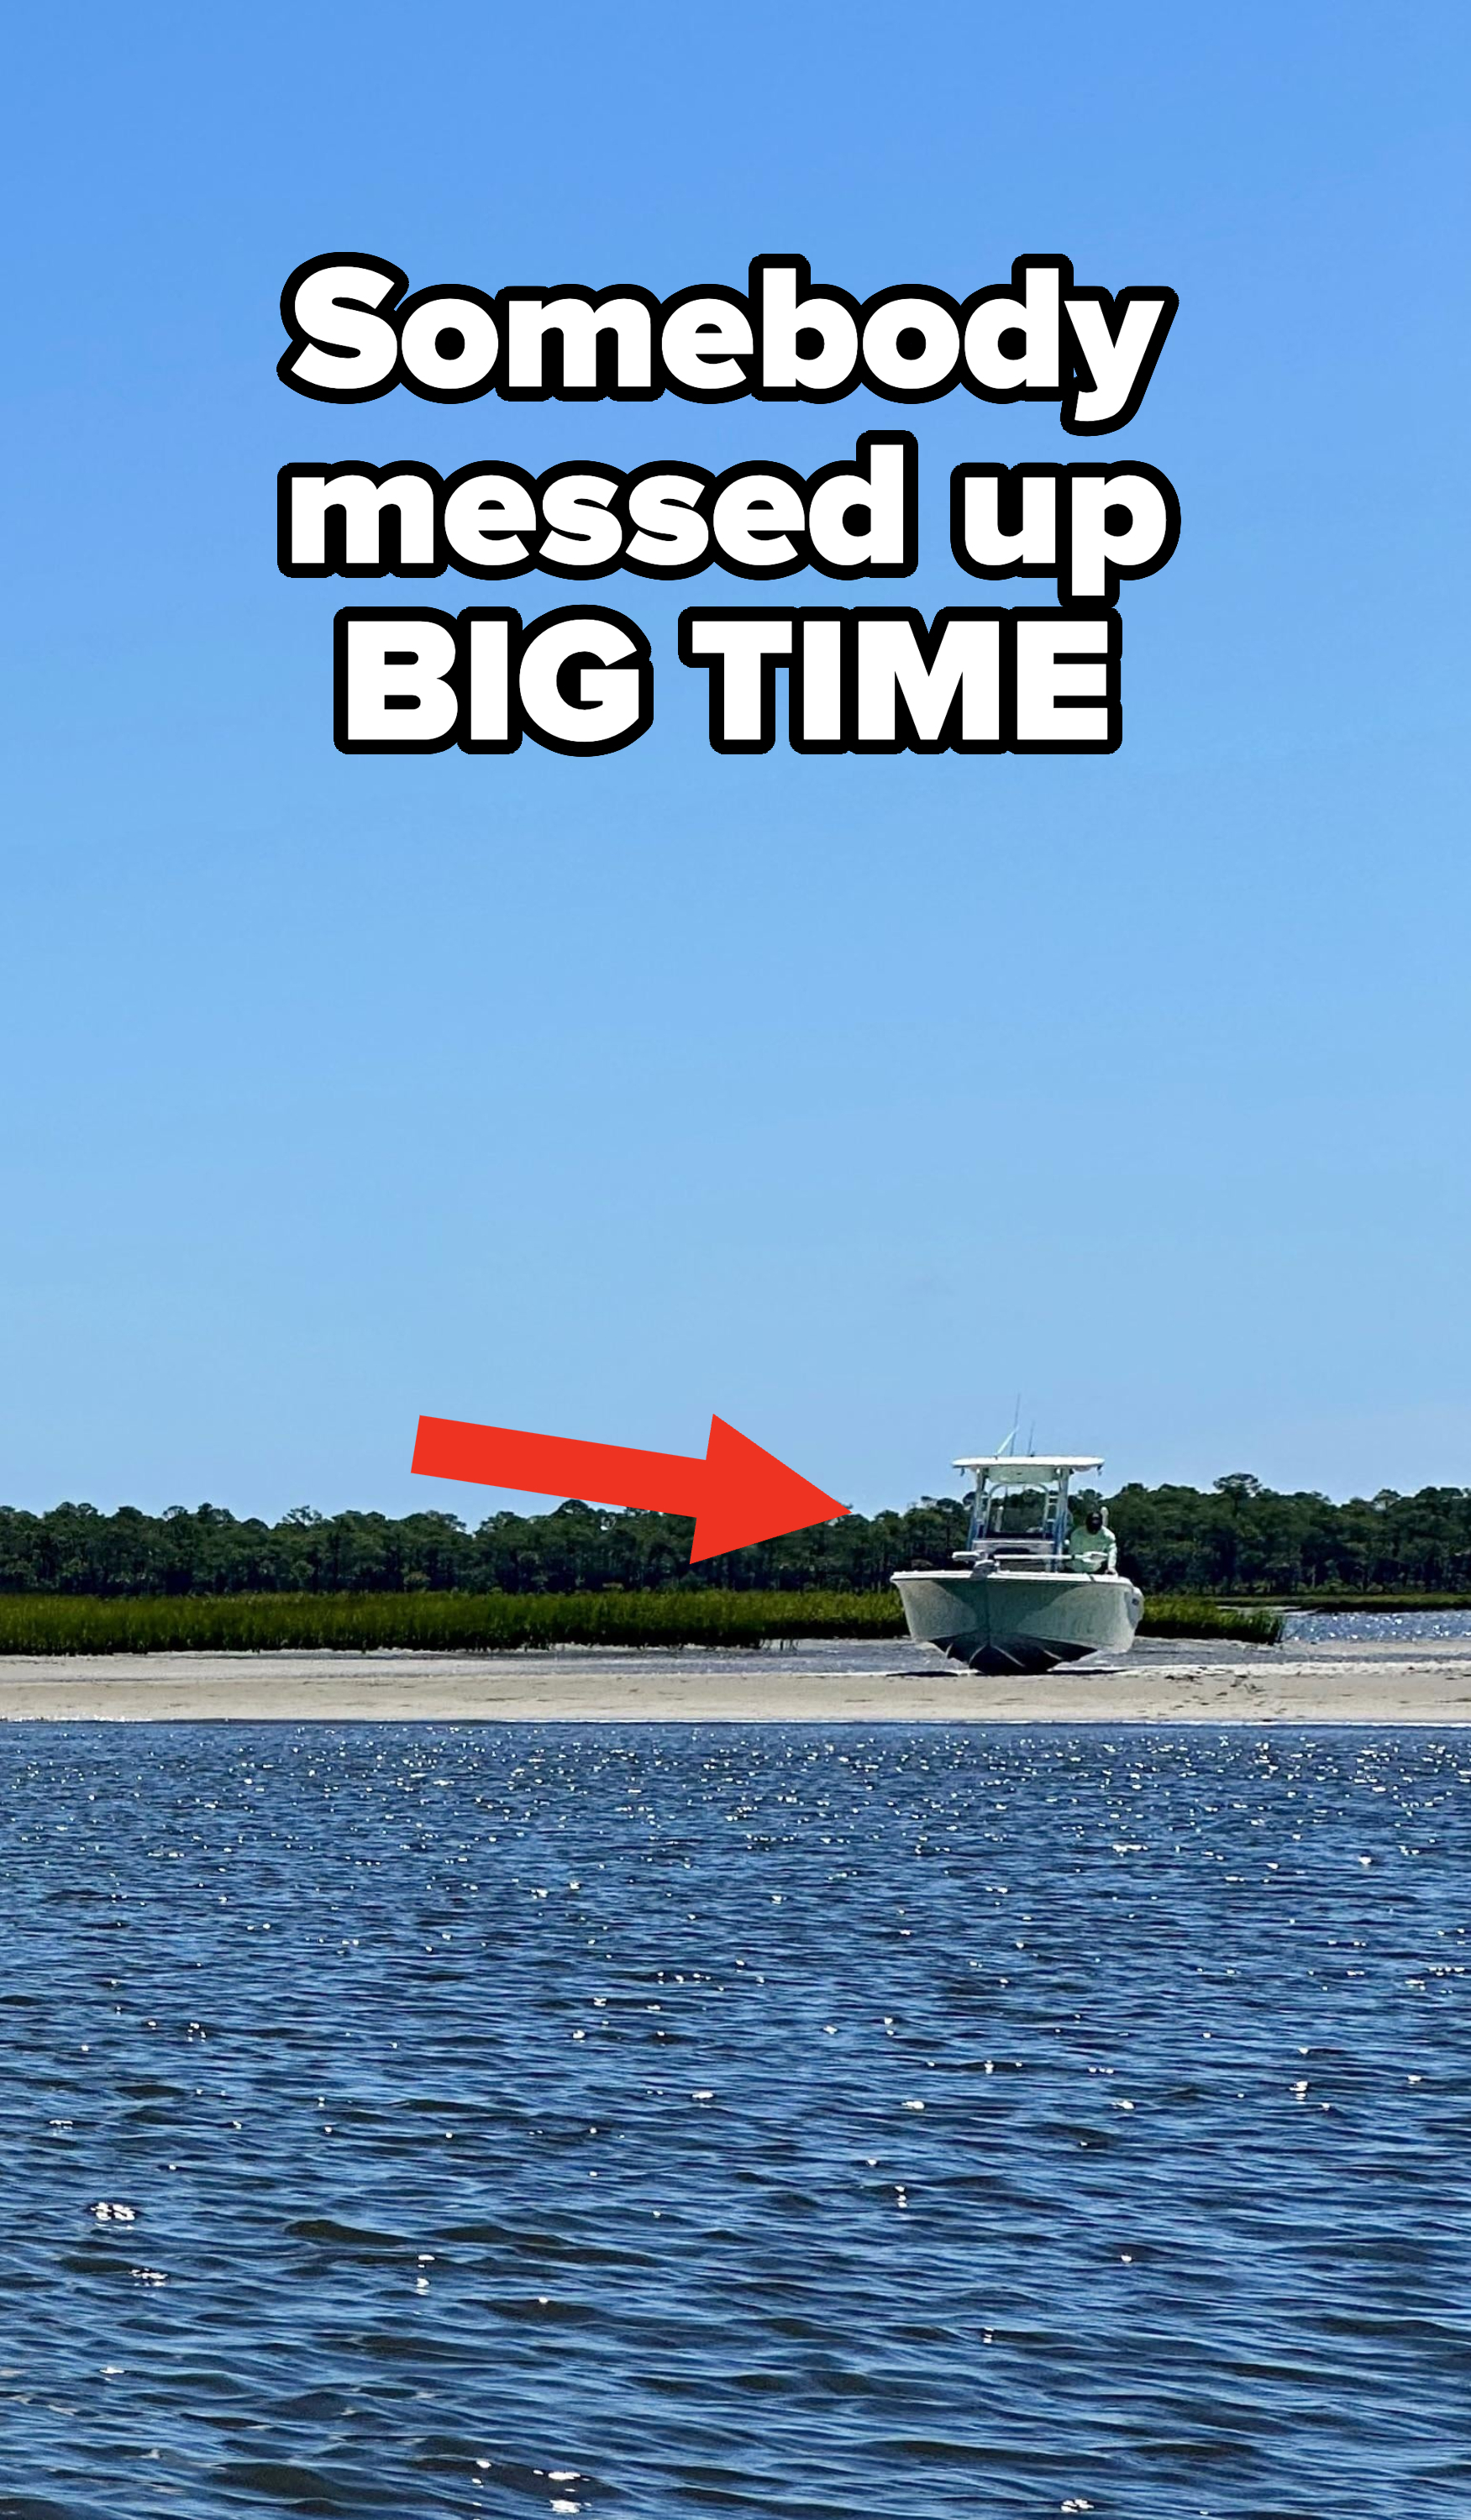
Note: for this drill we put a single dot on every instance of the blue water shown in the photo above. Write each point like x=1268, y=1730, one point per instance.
x=1374, y=1626
x=892, y=2126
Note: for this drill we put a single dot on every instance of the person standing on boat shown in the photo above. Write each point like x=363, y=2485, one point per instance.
x=1091, y=1543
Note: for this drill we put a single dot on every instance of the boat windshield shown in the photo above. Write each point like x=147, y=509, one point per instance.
x=1016, y=1512
x=1020, y=1509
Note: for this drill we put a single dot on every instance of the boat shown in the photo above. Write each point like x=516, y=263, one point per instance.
x=1036, y=1583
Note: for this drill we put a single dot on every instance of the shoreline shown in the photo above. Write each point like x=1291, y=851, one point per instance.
x=1168, y=1682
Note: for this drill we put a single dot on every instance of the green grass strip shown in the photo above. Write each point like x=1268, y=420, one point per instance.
x=48, y=1623
x=1178, y=1614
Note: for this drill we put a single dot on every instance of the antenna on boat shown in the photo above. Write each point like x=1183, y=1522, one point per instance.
x=1008, y=1443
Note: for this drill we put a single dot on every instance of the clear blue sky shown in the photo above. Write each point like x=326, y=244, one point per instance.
x=846, y=1097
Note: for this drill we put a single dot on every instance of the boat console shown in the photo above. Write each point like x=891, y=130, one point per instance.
x=1020, y=1515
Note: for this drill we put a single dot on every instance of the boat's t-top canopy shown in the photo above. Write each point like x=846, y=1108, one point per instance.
x=1028, y=1470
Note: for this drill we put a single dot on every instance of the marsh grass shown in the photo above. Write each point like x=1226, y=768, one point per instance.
x=1179, y=1614
x=442, y=1622
x=50, y=1623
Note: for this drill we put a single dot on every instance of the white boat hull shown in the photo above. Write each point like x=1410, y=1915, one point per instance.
x=1018, y=1621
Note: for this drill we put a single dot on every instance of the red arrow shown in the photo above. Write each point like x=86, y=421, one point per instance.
x=737, y=1493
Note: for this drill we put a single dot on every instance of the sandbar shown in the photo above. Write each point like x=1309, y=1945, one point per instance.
x=1389, y=1683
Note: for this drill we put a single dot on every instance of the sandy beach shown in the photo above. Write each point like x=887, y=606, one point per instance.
x=1426, y=1682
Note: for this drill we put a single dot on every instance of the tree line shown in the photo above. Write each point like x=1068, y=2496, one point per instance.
x=1234, y=1537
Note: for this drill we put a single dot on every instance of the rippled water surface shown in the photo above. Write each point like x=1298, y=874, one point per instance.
x=1373, y=1627
x=413, y=2121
